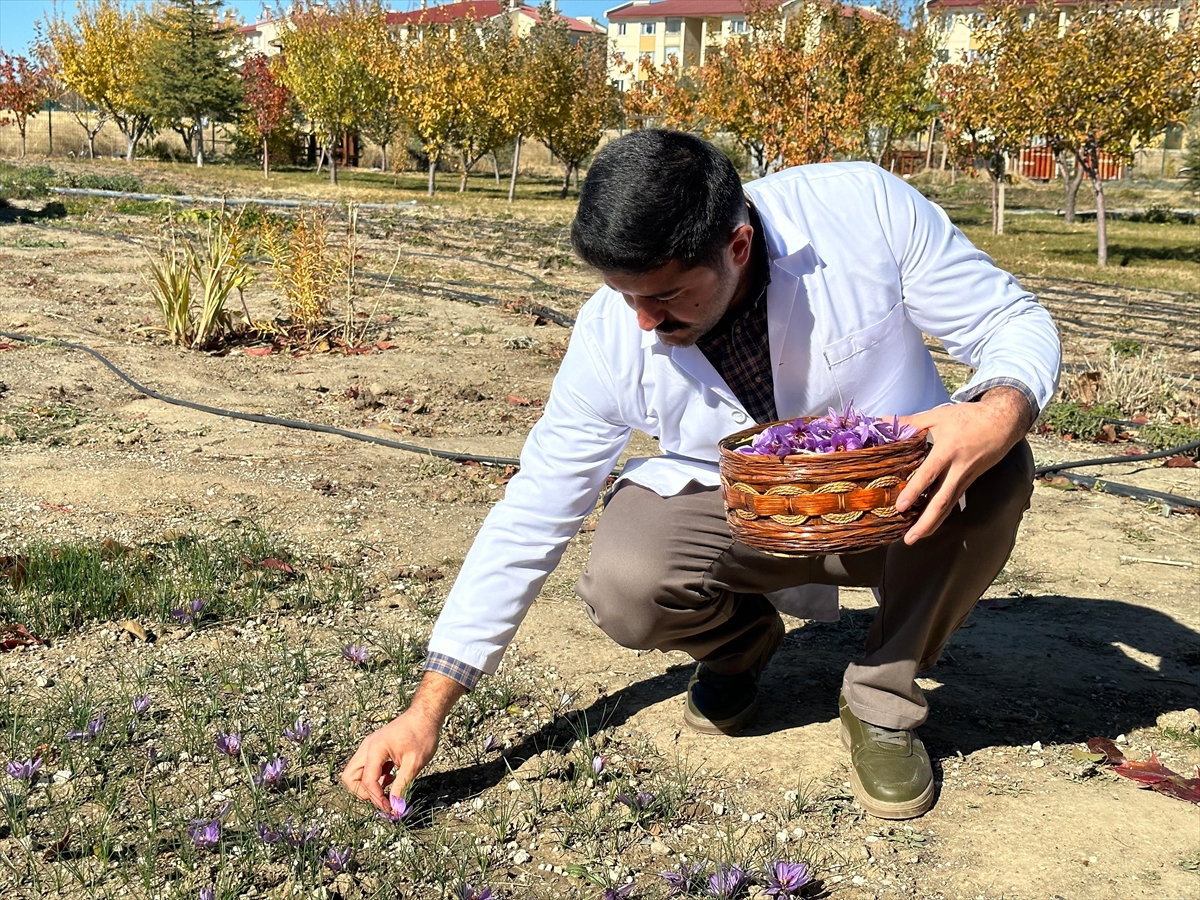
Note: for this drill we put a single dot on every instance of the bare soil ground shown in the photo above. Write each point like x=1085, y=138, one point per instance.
x=1074, y=642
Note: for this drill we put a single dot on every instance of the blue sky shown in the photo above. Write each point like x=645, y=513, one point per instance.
x=17, y=17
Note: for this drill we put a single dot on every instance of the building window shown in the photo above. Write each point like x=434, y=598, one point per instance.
x=619, y=84
x=674, y=26
x=737, y=26
x=943, y=56
x=646, y=58
x=621, y=27
x=648, y=27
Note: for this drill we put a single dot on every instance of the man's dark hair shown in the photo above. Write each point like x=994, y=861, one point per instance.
x=653, y=196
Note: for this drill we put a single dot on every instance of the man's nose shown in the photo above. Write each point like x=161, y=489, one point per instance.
x=648, y=316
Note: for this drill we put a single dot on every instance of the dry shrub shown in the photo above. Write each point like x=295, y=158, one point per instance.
x=307, y=267
x=1136, y=384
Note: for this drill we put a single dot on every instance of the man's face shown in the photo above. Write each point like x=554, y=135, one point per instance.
x=682, y=305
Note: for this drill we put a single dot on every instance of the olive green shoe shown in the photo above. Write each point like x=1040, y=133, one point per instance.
x=889, y=769
x=725, y=704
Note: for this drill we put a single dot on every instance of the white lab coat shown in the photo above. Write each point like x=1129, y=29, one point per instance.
x=861, y=265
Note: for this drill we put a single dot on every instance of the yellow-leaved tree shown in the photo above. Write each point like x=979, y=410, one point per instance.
x=101, y=54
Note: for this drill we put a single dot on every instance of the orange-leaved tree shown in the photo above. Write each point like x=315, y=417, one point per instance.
x=269, y=100
x=24, y=88
x=665, y=96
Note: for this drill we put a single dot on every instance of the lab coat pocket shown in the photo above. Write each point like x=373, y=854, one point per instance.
x=866, y=364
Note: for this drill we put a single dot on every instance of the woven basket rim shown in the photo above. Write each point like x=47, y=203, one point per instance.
x=724, y=446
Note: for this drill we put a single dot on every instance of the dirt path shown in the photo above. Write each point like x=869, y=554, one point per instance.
x=1075, y=642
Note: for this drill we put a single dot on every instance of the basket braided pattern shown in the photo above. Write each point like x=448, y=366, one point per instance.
x=812, y=504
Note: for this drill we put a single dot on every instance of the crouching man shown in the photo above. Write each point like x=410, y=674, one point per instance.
x=723, y=305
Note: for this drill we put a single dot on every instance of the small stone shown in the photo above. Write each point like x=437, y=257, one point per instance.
x=514, y=785
x=798, y=833
x=1036, y=746
x=858, y=880
x=310, y=383
x=658, y=848
x=379, y=389
x=758, y=817
x=42, y=681
x=1037, y=763
x=8, y=433
x=1122, y=739
x=521, y=857
x=718, y=809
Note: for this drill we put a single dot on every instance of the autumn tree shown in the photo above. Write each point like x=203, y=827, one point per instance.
x=663, y=96
x=324, y=69
x=268, y=100
x=984, y=100
x=191, y=75
x=1115, y=77
x=24, y=88
x=101, y=54
x=381, y=113
x=578, y=101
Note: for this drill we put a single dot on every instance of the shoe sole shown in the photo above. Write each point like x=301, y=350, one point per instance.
x=882, y=809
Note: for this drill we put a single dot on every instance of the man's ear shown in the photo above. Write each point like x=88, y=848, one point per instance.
x=740, y=244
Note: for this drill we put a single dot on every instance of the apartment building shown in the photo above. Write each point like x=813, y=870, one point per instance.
x=655, y=30
x=523, y=17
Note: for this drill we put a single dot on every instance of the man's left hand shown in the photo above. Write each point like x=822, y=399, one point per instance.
x=968, y=439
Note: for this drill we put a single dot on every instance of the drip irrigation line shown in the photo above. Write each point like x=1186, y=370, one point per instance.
x=1103, y=485
x=229, y=201
x=269, y=420
x=1113, y=460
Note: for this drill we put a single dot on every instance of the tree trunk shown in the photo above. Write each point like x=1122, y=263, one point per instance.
x=884, y=144
x=22, y=143
x=516, y=163
x=432, y=173
x=1101, y=224
x=1071, y=181
x=929, y=149
x=199, y=145
x=496, y=166
x=945, y=153
x=92, y=144
x=320, y=158
x=332, y=164
x=566, y=185
x=462, y=181
x=266, y=160
x=383, y=166
x=50, y=134
x=1000, y=207
x=130, y=146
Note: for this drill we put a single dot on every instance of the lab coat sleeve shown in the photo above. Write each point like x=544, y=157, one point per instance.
x=954, y=292
x=564, y=464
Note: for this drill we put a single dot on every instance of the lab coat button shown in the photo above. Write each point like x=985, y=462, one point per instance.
x=739, y=417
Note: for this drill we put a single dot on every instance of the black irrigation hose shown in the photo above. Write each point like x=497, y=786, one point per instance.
x=1124, y=490
x=1111, y=460
x=269, y=420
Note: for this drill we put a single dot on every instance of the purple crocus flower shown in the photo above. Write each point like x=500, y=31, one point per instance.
x=599, y=764
x=266, y=835
x=728, y=882
x=682, y=880
x=208, y=892
x=298, y=732
x=784, y=879
x=188, y=613
x=336, y=859
x=205, y=833
x=356, y=654
x=619, y=893
x=141, y=705
x=467, y=892
x=490, y=744
x=638, y=801
x=399, y=809
x=89, y=732
x=230, y=744
x=271, y=773
x=831, y=433
x=24, y=771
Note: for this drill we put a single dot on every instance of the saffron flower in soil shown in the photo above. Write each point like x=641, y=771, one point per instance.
x=490, y=744
x=399, y=809
x=208, y=892
x=89, y=732
x=619, y=893
x=24, y=771
x=832, y=433
x=189, y=613
x=638, y=801
x=140, y=705
x=356, y=654
x=298, y=732
x=337, y=860
x=785, y=879
x=728, y=883
x=599, y=764
x=467, y=892
x=271, y=773
x=684, y=879
x=230, y=744
x=205, y=833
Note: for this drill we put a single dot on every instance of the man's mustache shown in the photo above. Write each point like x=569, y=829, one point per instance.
x=670, y=327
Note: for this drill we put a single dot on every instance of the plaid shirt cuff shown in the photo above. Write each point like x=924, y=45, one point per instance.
x=467, y=676
x=976, y=391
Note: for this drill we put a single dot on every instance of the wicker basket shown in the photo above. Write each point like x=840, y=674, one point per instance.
x=817, y=503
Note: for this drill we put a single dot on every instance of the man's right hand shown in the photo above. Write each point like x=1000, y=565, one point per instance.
x=393, y=756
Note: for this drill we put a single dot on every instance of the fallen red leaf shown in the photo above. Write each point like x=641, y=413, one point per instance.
x=1180, y=462
x=514, y=400
x=17, y=636
x=383, y=345
x=1147, y=772
x=259, y=351
x=1112, y=756
x=277, y=565
x=359, y=350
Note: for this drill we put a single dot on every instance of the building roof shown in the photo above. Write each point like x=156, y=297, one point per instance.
x=477, y=11
x=659, y=9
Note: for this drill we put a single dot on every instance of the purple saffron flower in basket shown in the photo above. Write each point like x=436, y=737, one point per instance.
x=24, y=771
x=140, y=705
x=230, y=744
x=728, y=883
x=619, y=893
x=399, y=809
x=356, y=654
x=467, y=892
x=684, y=879
x=298, y=732
x=785, y=879
x=271, y=773
x=89, y=732
x=205, y=833
x=336, y=859
x=832, y=433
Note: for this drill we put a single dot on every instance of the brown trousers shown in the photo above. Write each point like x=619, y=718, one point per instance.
x=666, y=574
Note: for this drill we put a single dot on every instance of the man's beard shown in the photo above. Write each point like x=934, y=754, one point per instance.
x=683, y=334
